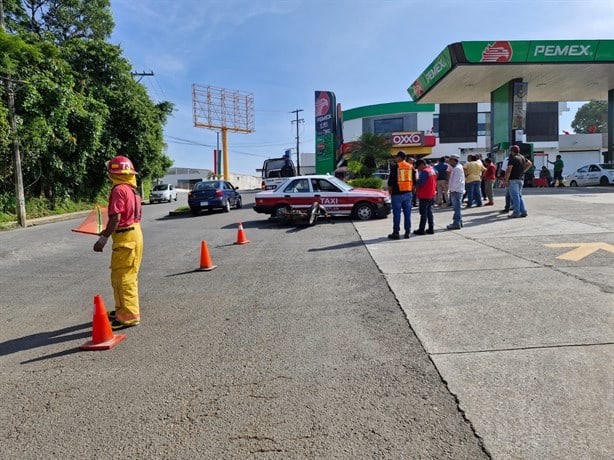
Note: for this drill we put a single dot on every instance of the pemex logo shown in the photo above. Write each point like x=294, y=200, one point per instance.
x=322, y=104
x=497, y=52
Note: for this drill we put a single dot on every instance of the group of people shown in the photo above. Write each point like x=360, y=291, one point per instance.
x=446, y=183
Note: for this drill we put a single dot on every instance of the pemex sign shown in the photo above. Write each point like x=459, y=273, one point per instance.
x=536, y=51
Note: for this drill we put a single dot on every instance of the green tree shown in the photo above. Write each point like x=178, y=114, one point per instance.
x=592, y=117
x=77, y=104
x=371, y=151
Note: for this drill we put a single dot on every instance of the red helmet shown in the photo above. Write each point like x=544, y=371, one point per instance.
x=120, y=165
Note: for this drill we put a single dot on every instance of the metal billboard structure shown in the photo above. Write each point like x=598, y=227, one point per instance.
x=223, y=110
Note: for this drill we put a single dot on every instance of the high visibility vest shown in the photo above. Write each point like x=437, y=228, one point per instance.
x=405, y=177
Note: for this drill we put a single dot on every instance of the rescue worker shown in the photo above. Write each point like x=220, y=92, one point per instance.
x=125, y=229
x=400, y=185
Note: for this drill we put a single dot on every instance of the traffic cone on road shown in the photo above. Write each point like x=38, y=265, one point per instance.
x=102, y=334
x=241, y=238
x=205, y=258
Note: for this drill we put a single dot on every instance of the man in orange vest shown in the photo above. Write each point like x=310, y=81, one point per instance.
x=400, y=185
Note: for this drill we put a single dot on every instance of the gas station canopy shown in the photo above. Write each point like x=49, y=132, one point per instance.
x=555, y=70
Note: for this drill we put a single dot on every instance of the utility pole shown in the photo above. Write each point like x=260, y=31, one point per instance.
x=141, y=75
x=19, y=192
x=298, y=156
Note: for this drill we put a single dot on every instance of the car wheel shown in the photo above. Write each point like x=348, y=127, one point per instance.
x=604, y=181
x=364, y=211
x=170, y=199
x=573, y=183
x=195, y=210
x=239, y=203
x=175, y=197
x=227, y=206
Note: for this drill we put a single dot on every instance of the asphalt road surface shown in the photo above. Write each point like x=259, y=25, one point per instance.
x=295, y=346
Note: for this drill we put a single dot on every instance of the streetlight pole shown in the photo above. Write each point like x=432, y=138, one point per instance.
x=298, y=155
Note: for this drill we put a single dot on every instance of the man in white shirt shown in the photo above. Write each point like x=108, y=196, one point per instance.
x=456, y=186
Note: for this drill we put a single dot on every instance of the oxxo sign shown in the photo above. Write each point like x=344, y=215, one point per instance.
x=407, y=139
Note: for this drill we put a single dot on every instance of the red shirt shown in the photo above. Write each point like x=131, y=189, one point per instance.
x=427, y=184
x=490, y=173
x=125, y=201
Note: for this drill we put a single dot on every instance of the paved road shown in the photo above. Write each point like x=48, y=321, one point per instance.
x=518, y=321
x=294, y=347
x=321, y=342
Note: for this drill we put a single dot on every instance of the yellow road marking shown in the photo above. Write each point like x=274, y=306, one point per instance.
x=582, y=249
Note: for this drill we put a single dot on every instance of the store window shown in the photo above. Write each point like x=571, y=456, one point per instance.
x=388, y=125
x=458, y=123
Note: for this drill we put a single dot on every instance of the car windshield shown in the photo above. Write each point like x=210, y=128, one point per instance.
x=339, y=183
x=606, y=165
x=206, y=185
x=161, y=187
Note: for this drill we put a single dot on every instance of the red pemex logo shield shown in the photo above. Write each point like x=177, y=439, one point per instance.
x=497, y=52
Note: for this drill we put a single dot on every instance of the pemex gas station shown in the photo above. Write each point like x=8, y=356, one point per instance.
x=509, y=74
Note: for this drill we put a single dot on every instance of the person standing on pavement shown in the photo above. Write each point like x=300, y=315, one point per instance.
x=456, y=186
x=426, y=189
x=400, y=185
x=504, y=166
x=125, y=229
x=514, y=178
x=473, y=179
x=558, y=170
x=443, y=173
x=489, y=177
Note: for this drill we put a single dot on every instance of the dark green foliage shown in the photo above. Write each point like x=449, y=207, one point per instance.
x=76, y=104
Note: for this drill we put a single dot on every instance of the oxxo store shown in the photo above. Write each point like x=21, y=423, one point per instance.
x=415, y=143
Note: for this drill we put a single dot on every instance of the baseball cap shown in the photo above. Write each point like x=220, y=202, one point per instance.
x=454, y=156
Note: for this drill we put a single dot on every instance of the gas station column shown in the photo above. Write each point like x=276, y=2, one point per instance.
x=508, y=113
x=610, y=157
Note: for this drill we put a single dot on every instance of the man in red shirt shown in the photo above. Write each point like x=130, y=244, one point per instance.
x=426, y=189
x=125, y=228
x=489, y=177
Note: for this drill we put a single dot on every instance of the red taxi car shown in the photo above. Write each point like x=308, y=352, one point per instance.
x=334, y=195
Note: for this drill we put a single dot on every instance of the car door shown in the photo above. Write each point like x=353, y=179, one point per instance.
x=592, y=177
x=231, y=194
x=331, y=197
x=581, y=175
x=298, y=194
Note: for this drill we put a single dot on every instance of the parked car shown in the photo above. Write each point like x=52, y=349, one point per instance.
x=213, y=194
x=162, y=192
x=593, y=174
x=331, y=193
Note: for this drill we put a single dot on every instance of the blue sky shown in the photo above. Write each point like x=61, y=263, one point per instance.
x=366, y=51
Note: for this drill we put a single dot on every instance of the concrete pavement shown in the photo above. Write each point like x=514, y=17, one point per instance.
x=517, y=318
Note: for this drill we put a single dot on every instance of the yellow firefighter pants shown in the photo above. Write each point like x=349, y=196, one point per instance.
x=125, y=264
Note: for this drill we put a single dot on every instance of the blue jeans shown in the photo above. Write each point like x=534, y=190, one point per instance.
x=455, y=199
x=426, y=214
x=474, y=194
x=515, y=188
x=400, y=203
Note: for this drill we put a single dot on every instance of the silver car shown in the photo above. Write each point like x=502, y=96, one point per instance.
x=163, y=192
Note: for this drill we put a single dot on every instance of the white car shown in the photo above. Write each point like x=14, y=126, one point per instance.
x=593, y=174
x=163, y=192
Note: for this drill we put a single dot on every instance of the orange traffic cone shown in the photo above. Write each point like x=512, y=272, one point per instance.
x=102, y=334
x=205, y=258
x=241, y=238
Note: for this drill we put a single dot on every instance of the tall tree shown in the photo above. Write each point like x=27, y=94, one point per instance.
x=592, y=117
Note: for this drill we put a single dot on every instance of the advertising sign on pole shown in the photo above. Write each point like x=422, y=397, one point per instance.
x=326, y=122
